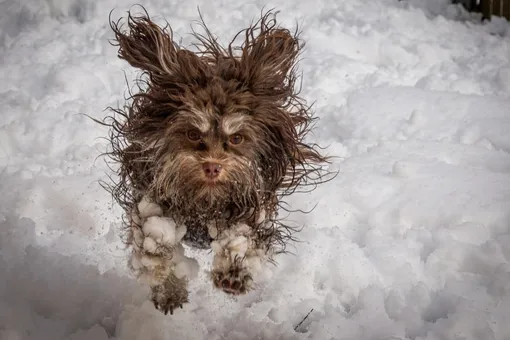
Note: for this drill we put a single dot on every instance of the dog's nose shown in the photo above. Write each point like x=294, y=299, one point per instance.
x=211, y=170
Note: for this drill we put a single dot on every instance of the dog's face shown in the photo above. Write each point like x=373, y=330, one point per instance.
x=216, y=128
x=211, y=158
x=217, y=147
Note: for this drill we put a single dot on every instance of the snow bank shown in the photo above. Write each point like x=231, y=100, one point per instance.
x=410, y=241
x=420, y=209
x=47, y=295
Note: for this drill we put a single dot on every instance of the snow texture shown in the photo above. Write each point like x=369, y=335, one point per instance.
x=410, y=241
x=163, y=230
x=157, y=245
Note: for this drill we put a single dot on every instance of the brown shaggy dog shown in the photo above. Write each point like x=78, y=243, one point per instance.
x=206, y=151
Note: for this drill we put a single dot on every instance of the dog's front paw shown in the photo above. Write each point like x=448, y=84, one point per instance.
x=237, y=262
x=170, y=295
x=236, y=281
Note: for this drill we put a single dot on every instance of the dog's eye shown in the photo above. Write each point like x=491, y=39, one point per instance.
x=236, y=139
x=194, y=135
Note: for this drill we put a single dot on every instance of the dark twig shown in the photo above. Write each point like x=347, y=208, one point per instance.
x=306, y=317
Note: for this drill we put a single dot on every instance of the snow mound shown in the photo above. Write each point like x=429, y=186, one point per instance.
x=410, y=241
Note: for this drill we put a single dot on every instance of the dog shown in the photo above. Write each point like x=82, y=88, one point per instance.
x=206, y=151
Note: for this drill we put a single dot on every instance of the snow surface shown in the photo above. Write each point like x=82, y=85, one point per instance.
x=411, y=240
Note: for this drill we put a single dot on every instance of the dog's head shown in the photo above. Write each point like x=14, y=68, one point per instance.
x=223, y=126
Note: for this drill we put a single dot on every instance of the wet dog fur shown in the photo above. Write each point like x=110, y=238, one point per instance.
x=206, y=151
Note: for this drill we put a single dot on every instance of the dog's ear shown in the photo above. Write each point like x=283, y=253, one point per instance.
x=268, y=58
x=151, y=48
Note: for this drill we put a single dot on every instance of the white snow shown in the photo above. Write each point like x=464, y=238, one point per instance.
x=187, y=267
x=410, y=241
x=159, y=239
x=147, y=209
x=163, y=230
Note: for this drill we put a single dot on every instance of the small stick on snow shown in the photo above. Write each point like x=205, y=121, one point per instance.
x=299, y=324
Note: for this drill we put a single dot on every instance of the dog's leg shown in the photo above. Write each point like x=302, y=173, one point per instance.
x=158, y=257
x=239, y=258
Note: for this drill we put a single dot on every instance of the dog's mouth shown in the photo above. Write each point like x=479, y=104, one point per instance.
x=212, y=182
